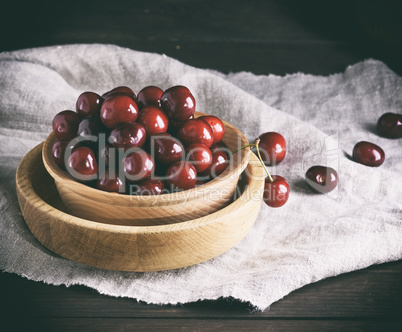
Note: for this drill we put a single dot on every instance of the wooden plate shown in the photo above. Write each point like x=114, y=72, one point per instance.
x=133, y=248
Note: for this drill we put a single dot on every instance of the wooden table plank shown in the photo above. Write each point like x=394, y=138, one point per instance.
x=126, y=324
x=369, y=293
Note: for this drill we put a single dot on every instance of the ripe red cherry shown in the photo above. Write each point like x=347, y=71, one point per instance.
x=88, y=104
x=217, y=126
x=272, y=148
x=138, y=165
x=108, y=156
x=82, y=164
x=128, y=135
x=390, y=125
x=368, y=154
x=200, y=156
x=58, y=150
x=65, y=124
x=195, y=131
x=178, y=103
x=321, y=179
x=120, y=91
x=220, y=146
x=276, y=193
x=153, y=119
x=175, y=125
x=181, y=175
x=110, y=184
x=166, y=149
x=150, y=95
x=149, y=187
x=118, y=109
x=218, y=164
x=91, y=126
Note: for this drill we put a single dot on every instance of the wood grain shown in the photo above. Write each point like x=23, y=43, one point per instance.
x=86, y=202
x=133, y=248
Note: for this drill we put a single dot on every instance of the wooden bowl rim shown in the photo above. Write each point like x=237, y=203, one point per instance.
x=67, y=180
x=25, y=188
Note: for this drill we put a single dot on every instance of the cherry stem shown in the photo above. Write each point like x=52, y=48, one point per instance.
x=257, y=142
x=244, y=146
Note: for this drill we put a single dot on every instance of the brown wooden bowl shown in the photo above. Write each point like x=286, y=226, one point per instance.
x=133, y=248
x=113, y=208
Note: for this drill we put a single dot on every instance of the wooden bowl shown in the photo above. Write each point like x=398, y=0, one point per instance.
x=113, y=208
x=133, y=248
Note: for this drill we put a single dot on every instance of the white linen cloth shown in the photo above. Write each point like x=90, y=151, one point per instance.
x=310, y=238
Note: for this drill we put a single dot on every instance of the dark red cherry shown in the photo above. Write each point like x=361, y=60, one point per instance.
x=128, y=135
x=217, y=126
x=195, y=131
x=150, y=95
x=166, y=149
x=368, y=154
x=181, y=175
x=218, y=164
x=175, y=125
x=82, y=164
x=110, y=184
x=91, y=126
x=272, y=148
x=321, y=179
x=220, y=146
x=58, y=150
x=118, y=109
x=153, y=119
x=120, y=91
x=108, y=157
x=88, y=104
x=149, y=187
x=199, y=155
x=200, y=182
x=178, y=103
x=390, y=125
x=138, y=165
x=65, y=124
x=276, y=193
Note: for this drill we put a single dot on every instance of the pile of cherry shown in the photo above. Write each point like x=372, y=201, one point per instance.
x=185, y=151
x=163, y=148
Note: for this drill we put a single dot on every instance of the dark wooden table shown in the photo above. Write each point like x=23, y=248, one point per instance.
x=263, y=37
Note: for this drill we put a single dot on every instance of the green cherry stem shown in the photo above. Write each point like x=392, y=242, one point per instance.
x=244, y=146
x=257, y=142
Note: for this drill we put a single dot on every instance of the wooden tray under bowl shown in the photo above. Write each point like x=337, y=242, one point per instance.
x=133, y=248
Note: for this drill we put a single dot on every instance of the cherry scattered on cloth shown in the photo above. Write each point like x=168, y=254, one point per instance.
x=321, y=179
x=272, y=147
x=368, y=154
x=276, y=193
x=390, y=125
